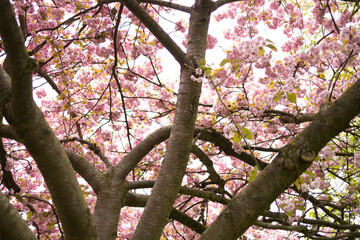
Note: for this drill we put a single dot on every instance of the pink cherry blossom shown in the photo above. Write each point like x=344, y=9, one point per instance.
x=110, y=81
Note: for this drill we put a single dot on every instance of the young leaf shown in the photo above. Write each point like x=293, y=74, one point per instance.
x=202, y=62
x=278, y=96
x=237, y=137
x=300, y=207
x=291, y=97
x=247, y=133
x=297, y=184
x=225, y=61
x=272, y=47
x=253, y=174
x=307, y=172
x=261, y=51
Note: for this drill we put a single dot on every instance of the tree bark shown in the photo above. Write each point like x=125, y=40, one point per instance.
x=177, y=153
x=107, y=209
x=12, y=225
x=139, y=200
x=289, y=164
x=30, y=125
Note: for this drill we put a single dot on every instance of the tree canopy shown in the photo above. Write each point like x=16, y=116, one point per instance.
x=154, y=119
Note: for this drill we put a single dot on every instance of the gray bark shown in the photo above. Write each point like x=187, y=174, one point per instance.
x=107, y=209
x=292, y=161
x=30, y=125
x=11, y=220
x=177, y=153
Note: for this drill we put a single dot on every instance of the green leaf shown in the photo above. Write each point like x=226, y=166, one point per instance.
x=208, y=71
x=291, y=97
x=225, y=61
x=253, y=174
x=296, y=183
x=29, y=215
x=289, y=214
x=307, y=172
x=202, y=62
x=237, y=137
x=247, y=133
x=278, y=96
x=300, y=207
x=272, y=47
x=78, y=6
x=261, y=51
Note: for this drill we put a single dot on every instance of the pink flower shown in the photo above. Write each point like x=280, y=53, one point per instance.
x=57, y=13
x=357, y=210
x=195, y=79
x=8, y=166
x=274, y=5
x=145, y=49
x=61, y=3
x=316, y=184
x=180, y=27
x=289, y=207
x=41, y=93
x=327, y=152
x=211, y=42
x=357, y=160
x=304, y=187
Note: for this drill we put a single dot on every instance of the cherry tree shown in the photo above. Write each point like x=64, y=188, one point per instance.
x=116, y=125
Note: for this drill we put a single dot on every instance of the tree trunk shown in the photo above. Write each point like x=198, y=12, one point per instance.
x=30, y=125
x=177, y=153
x=12, y=225
x=107, y=210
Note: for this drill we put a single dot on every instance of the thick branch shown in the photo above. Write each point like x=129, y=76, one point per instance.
x=297, y=228
x=129, y=162
x=5, y=89
x=301, y=118
x=330, y=224
x=137, y=200
x=203, y=194
x=93, y=147
x=12, y=225
x=144, y=147
x=43, y=74
x=209, y=165
x=286, y=117
x=86, y=170
x=155, y=29
x=18, y=58
x=30, y=125
x=173, y=168
x=7, y=131
x=110, y=199
x=80, y=165
x=220, y=3
x=292, y=161
x=183, y=190
x=7, y=177
x=169, y=5
x=226, y=146
x=301, y=228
